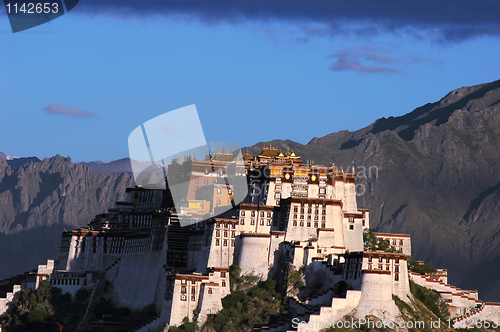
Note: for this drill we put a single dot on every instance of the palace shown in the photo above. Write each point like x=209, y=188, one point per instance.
x=300, y=214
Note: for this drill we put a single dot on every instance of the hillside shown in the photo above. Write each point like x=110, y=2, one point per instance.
x=438, y=180
x=39, y=200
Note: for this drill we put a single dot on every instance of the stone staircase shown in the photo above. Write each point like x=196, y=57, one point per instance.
x=302, y=312
x=94, y=298
x=470, y=318
x=152, y=324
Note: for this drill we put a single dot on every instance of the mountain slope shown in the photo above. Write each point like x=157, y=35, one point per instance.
x=38, y=200
x=434, y=166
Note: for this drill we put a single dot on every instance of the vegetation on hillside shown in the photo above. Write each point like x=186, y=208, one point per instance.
x=431, y=299
x=250, y=303
x=42, y=309
x=373, y=243
x=422, y=269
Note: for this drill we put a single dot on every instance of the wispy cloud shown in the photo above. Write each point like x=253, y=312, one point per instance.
x=365, y=60
x=69, y=111
x=445, y=20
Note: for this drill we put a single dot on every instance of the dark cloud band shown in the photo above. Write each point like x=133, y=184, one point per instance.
x=454, y=19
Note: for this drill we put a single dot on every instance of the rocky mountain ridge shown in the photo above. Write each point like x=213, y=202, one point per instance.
x=38, y=200
x=437, y=178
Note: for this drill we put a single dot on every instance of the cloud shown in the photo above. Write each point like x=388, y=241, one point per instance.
x=365, y=60
x=69, y=111
x=446, y=20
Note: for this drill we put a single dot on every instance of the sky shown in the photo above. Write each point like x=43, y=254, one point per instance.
x=257, y=70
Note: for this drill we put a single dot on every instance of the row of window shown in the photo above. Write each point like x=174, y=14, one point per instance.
x=381, y=267
x=233, y=233
x=261, y=222
x=323, y=225
x=226, y=225
x=217, y=243
x=381, y=259
x=309, y=210
x=65, y=282
x=262, y=214
x=309, y=217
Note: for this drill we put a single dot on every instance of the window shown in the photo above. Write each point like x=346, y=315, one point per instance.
x=387, y=260
x=323, y=225
x=301, y=210
x=223, y=284
x=226, y=225
x=262, y=214
x=380, y=259
x=393, y=242
x=396, y=268
x=242, y=221
x=193, y=290
x=232, y=243
x=233, y=234
x=217, y=233
x=364, y=222
x=295, y=209
x=400, y=242
x=269, y=214
x=369, y=259
x=210, y=291
x=225, y=243
x=252, y=222
x=316, y=218
x=183, y=281
x=301, y=216
x=323, y=217
x=183, y=289
x=380, y=266
x=323, y=212
x=252, y=214
x=295, y=222
x=308, y=224
x=225, y=233
x=396, y=261
x=316, y=224
x=218, y=190
x=387, y=267
x=217, y=242
x=301, y=224
x=183, y=297
x=268, y=222
x=193, y=297
x=243, y=214
x=308, y=217
x=217, y=225
x=193, y=282
x=351, y=227
x=295, y=215
x=351, y=219
x=370, y=267
x=261, y=222
x=396, y=276
x=309, y=210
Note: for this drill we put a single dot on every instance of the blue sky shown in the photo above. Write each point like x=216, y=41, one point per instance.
x=77, y=86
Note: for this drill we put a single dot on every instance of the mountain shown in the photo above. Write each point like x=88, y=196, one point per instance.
x=39, y=200
x=119, y=166
x=15, y=162
x=435, y=174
